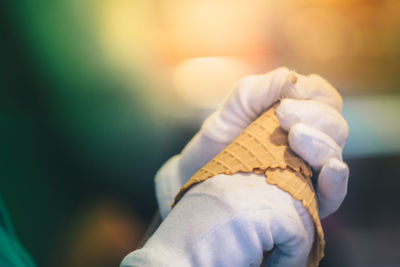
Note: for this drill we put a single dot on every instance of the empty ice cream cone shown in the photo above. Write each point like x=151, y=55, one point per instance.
x=263, y=148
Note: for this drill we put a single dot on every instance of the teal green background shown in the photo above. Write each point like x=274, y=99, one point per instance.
x=71, y=133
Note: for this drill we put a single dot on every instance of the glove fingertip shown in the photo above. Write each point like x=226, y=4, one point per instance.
x=332, y=186
x=336, y=171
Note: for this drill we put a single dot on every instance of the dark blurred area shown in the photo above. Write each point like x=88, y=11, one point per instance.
x=365, y=231
x=96, y=95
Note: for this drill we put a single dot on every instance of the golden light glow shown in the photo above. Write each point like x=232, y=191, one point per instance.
x=330, y=37
x=125, y=29
x=204, y=82
x=213, y=28
x=170, y=40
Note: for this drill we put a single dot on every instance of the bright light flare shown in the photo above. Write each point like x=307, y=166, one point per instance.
x=204, y=82
x=214, y=28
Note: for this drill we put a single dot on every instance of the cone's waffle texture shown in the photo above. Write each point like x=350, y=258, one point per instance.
x=263, y=148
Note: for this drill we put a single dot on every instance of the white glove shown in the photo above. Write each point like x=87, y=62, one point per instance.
x=231, y=220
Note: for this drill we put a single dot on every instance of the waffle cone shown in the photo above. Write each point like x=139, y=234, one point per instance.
x=263, y=148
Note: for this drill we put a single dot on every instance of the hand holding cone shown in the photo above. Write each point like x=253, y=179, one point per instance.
x=263, y=148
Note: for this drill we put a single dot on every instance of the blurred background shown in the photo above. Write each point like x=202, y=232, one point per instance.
x=96, y=95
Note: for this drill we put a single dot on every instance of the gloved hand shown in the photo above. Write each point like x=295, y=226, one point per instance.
x=231, y=220
x=309, y=111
